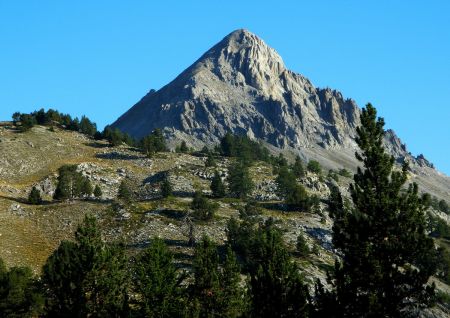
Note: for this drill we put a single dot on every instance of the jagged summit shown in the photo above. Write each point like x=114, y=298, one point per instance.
x=241, y=85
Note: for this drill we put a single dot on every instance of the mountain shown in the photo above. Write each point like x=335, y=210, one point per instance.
x=241, y=85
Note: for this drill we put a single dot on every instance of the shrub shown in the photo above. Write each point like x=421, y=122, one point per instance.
x=314, y=166
x=35, y=196
x=204, y=210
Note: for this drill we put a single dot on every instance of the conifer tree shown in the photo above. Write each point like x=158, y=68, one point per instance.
x=206, y=291
x=217, y=186
x=297, y=168
x=240, y=181
x=86, y=277
x=35, y=196
x=19, y=293
x=124, y=192
x=276, y=285
x=158, y=282
x=202, y=208
x=166, y=188
x=97, y=191
x=387, y=257
x=233, y=302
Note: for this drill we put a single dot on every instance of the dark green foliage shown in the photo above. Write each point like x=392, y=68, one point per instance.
x=71, y=183
x=244, y=148
x=345, y=173
x=387, y=257
x=124, y=192
x=443, y=265
x=203, y=209
x=239, y=181
x=314, y=166
x=97, y=191
x=166, y=188
x=206, y=286
x=302, y=246
x=114, y=136
x=210, y=160
x=158, y=283
x=276, y=286
x=86, y=187
x=87, y=127
x=443, y=206
x=294, y=194
x=153, y=143
x=35, y=196
x=297, y=168
x=183, y=148
x=216, y=291
x=333, y=175
x=53, y=117
x=19, y=293
x=217, y=186
x=26, y=122
x=438, y=227
x=86, y=277
x=250, y=209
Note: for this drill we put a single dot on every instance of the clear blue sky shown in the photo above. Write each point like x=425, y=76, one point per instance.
x=100, y=57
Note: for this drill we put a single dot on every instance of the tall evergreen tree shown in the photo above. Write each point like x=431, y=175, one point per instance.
x=276, y=285
x=217, y=186
x=86, y=277
x=233, y=302
x=19, y=293
x=297, y=168
x=387, y=257
x=206, y=291
x=239, y=181
x=158, y=282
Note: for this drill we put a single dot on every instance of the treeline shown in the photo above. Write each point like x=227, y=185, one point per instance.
x=52, y=118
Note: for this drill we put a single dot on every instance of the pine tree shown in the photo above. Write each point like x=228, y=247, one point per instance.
x=86, y=277
x=217, y=186
x=183, y=147
x=97, y=191
x=276, y=286
x=71, y=183
x=203, y=209
x=302, y=246
x=387, y=257
x=19, y=293
x=210, y=160
x=240, y=181
x=297, y=168
x=124, y=192
x=314, y=166
x=166, y=188
x=158, y=282
x=206, y=291
x=35, y=196
x=233, y=300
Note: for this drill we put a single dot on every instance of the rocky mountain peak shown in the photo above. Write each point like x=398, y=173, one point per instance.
x=241, y=85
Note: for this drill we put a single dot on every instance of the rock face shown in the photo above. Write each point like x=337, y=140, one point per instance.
x=241, y=85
